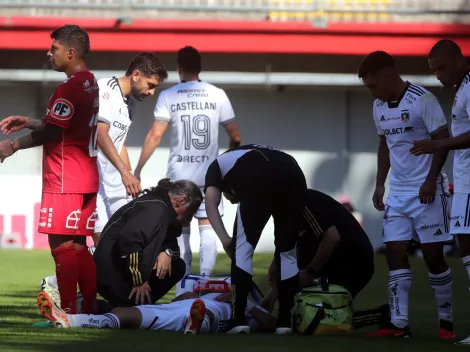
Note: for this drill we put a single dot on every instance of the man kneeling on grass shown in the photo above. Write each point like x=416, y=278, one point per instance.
x=187, y=313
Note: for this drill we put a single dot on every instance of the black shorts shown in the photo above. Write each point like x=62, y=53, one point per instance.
x=276, y=188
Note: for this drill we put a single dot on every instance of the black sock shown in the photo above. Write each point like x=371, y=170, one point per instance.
x=287, y=291
x=241, y=283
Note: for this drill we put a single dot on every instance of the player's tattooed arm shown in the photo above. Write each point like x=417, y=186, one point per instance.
x=37, y=138
x=36, y=124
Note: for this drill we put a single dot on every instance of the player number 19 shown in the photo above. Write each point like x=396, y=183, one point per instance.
x=200, y=128
x=93, y=144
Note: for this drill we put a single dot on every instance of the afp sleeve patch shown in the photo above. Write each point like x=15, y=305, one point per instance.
x=62, y=109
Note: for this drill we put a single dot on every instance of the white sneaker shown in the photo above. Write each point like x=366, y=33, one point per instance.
x=283, y=331
x=239, y=329
x=51, y=311
x=463, y=342
x=51, y=290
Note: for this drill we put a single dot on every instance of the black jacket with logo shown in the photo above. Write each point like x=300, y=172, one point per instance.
x=135, y=235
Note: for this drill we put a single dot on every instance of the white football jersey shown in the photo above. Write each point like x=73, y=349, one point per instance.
x=173, y=316
x=460, y=125
x=417, y=115
x=116, y=111
x=194, y=110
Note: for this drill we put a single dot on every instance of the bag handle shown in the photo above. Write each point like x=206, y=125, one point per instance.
x=315, y=322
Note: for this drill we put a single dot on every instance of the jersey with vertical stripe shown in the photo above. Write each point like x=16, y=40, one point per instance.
x=416, y=115
x=460, y=125
x=115, y=110
x=194, y=110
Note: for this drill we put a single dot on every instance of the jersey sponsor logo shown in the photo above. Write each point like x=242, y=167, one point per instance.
x=398, y=130
x=194, y=93
x=62, y=109
x=88, y=87
x=426, y=227
x=45, y=217
x=192, y=159
x=73, y=219
x=91, y=221
x=120, y=126
x=394, y=118
x=410, y=98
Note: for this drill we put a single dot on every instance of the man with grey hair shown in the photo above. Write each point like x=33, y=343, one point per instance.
x=137, y=258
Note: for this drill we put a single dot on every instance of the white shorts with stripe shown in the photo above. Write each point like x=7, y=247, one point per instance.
x=201, y=212
x=460, y=218
x=107, y=205
x=406, y=218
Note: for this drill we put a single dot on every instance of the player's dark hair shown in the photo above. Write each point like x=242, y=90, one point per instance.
x=74, y=37
x=374, y=62
x=447, y=47
x=183, y=188
x=189, y=59
x=149, y=64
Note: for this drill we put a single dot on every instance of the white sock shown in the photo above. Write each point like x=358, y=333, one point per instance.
x=442, y=286
x=399, y=285
x=207, y=249
x=466, y=263
x=185, y=248
x=106, y=321
x=186, y=254
x=52, y=280
x=206, y=324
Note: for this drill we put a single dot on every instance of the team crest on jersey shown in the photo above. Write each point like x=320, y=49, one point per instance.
x=405, y=115
x=62, y=109
x=105, y=96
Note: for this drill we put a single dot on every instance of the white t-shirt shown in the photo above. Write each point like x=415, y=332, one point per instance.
x=417, y=115
x=116, y=111
x=195, y=110
x=460, y=125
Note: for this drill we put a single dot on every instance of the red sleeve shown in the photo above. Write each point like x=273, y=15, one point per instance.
x=63, y=105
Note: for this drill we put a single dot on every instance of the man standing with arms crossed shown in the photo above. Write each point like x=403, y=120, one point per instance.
x=70, y=173
x=117, y=185
x=453, y=71
x=194, y=109
x=418, y=198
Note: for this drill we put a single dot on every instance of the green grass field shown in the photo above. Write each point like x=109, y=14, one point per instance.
x=21, y=272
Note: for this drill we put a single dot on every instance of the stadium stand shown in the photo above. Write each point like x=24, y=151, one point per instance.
x=274, y=10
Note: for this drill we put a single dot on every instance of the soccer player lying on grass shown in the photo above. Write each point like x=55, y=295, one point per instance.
x=187, y=313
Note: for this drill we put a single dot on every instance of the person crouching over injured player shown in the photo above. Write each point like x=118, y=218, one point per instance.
x=333, y=245
x=187, y=313
x=137, y=257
